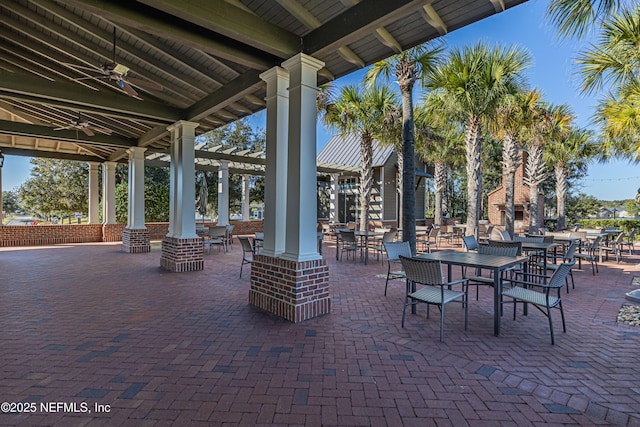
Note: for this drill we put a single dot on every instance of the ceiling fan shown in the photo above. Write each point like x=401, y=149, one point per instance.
x=84, y=126
x=118, y=73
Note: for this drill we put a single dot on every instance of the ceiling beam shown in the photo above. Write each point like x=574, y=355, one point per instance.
x=21, y=86
x=8, y=127
x=50, y=154
x=233, y=91
x=232, y=22
x=141, y=17
x=357, y=22
x=433, y=18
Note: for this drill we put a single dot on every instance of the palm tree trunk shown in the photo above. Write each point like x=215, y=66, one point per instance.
x=408, y=172
x=535, y=173
x=440, y=184
x=562, y=186
x=473, y=148
x=509, y=165
x=366, y=179
x=399, y=185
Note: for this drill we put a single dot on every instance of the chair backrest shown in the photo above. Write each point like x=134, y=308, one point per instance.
x=595, y=244
x=434, y=232
x=571, y=251
x=259, y=235
x=559, y=276
x=504, y=234
x=620, y=238
x=348, y=236
x=503, y=244
x=389, y=236
x=396, y=249
x=498, y=250
x=425, y=271
x=219, y=231
x=470, y=243
x=632, y=235
x=548, y=239
x=247, y=246
x=529, y=239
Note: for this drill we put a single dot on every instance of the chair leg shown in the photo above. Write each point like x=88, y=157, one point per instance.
x=442, y=323
x=387, y=282
x=550, y=324
x=404, y=310
x=564, y=326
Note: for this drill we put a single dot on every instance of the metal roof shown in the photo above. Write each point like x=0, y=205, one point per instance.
x=344, y=149
x=196, y=60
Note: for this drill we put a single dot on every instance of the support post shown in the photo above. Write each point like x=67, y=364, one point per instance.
x=94, y=194
x=246, y=199
x=182, y=249
x=223, y=193
x=294, y=285
x=135, y=237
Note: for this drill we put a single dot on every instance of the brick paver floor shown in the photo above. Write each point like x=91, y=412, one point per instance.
x=89, y=325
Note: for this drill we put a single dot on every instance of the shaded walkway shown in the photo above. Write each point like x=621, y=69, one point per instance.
x=89, y=323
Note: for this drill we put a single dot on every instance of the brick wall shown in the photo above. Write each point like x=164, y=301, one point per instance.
x=180, y=255
x=38, y=235
x=136, y=240
x=296, y=291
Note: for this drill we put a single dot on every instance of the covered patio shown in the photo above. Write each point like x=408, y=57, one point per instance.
x=98, y=325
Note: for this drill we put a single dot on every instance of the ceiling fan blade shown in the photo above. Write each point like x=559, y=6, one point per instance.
x=103, y=130
x=90, y=78
x=87, y=131
x=127, y=88
x=82, y=67
x=63, y=128
x=144, y=83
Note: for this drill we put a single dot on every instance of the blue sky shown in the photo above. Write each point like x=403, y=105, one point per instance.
x=553, y=72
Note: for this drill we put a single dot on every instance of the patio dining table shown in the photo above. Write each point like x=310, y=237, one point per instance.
x=496, y=263
x=540, y=247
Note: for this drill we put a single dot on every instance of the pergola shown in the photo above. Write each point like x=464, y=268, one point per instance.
x=170, y=69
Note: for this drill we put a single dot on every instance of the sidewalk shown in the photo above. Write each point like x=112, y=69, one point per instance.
x=90, y=324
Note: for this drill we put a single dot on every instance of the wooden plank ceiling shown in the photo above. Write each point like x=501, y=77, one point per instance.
x=196, y=60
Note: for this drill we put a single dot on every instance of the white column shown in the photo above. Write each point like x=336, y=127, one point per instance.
x=223, y=193
x=135, y=215
x=1, y=211
x=182, y=177
x=94, y=193
x=275, y=179
x=246, y=200
x=109, y=193
x=302, y=215
x=333, y=203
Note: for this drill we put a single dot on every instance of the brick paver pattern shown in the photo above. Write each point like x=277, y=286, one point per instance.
x=89, y=324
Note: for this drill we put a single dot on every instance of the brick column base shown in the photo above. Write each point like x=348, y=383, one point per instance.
x=180, y=255
x=136, y=241
x=296, y=291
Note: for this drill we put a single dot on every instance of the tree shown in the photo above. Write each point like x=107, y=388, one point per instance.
x=439, y=141
x=509, y=122
x=575, y=17
x=546, y=121
x=367, y=112
x=476, y=78
x=582, y=206
x=156, y=196
x=407, y=67
x=10, y=202
x=56, y=187
x=614, y=62
x=571, y=150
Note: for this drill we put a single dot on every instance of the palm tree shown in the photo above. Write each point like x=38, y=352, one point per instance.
x=576, y=17
x=507, y=126
x=619, y=119
x=570, y=152
x=476, y=78
x=439, y=141
x=546, y=122
x=366, y=112
x=407, y=67
x=615, y=59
